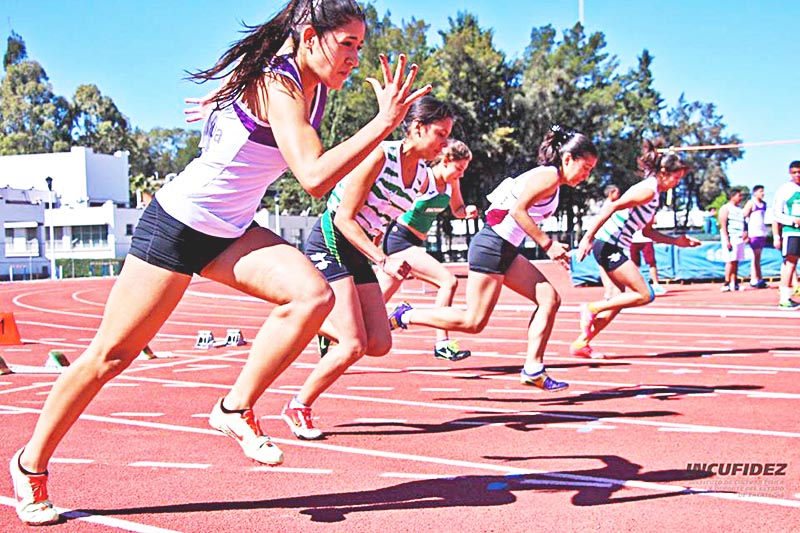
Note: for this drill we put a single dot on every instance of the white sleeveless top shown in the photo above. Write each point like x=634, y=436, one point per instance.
x=219, y=192
x=503, y=198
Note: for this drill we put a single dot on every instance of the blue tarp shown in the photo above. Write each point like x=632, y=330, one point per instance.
x=686, y=264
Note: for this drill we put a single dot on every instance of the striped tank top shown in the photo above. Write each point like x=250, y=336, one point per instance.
x=389, y=197
x=620, y=227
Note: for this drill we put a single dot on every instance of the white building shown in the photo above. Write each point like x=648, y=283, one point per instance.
x=89, y=216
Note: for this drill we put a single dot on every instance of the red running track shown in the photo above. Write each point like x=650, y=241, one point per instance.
x=419, y=444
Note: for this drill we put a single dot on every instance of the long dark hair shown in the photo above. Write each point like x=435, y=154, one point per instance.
x=654, y=158
x=427, y=110
x=560, y=141
x=246, y=59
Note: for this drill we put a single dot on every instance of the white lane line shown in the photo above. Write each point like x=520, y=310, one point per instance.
x=601, y=369
x=438, y=389
x=71, y=461
x=656, y=487
x=689, y=430
x=286, y=470
x=678, y=371
x=554, y=482
x=752, y=372
x=116, y=523
x=473, y=408
x=380, y=389
x=381, y=420
x=135, y=414
x=157, y=464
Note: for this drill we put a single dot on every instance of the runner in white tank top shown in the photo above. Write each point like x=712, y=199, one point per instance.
x=517, y=206
x=609, y=236
x=255, y=261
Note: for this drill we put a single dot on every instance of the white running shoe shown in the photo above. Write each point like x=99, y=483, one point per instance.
x=300, y=422
x=33, y=506
x=245, y=429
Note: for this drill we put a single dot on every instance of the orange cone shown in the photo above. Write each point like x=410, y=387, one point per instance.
x=9, y=334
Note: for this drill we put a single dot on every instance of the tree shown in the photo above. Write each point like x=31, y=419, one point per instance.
x=97, y=123
x=32, y=118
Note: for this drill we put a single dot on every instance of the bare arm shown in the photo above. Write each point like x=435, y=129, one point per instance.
x=355, y=194
x=684, y=241
x=723, y=227
x=457, y=203
x=318, y=170
x=538, y=187
x=631, y=198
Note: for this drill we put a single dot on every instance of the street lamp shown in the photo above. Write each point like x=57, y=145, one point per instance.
x=49, y=181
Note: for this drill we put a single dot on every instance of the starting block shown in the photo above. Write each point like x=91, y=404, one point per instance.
x=4, y=368
x=235, y=338
x=147, y=353
x=56, y=360
x=205, y=340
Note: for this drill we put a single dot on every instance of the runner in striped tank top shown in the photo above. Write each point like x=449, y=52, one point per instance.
x=405, y=237
x=517, y=207
x=609, y=237
x=342, y=244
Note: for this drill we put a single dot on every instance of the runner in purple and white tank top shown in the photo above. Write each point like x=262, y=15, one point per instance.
x=266, y=123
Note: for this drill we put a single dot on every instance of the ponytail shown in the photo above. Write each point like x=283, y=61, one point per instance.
x=559, y=141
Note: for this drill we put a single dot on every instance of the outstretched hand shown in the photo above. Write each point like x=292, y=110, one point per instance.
x=393, y=96
x=584, y=248
x=684, y=241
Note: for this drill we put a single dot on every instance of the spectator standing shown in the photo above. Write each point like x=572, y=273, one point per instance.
x=733, y=233
x=754, y=210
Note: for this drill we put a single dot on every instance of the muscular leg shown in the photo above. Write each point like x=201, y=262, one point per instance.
x=483, y=290
x=263, y=265
x=359, y=322
x=525, y=279
x=140, y=301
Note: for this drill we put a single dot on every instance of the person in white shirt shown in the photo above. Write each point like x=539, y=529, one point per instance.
x=733, y=237
x=754, y=212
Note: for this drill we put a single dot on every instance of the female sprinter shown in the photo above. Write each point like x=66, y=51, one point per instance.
x=405, y=237
x=518, y=206
x=276, y=81
x=342, y=244
x=609, y=238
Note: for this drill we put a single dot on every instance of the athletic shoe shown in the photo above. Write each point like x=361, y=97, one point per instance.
x=246, y=431
x=394, y=316
x=760, y=284
x=542, y=380
x=659, y=290
x=725, y=288
x=299, y=421
x=797, y=291
x=735, y=287
x=587, y=320
x=788, y=304
x=323, y=345
x=585, y=351
x=33, y=507
x=448, y=350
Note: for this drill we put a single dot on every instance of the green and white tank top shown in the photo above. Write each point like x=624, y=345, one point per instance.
x=427, y=206
x=389, y=197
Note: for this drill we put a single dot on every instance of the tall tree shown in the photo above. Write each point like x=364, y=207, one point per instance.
x=32, y=118
x=97, y=123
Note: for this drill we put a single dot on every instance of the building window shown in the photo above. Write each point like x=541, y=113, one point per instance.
x=95, y=236
x=129, y=229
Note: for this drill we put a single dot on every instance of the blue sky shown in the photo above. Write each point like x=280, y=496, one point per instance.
x=741, y=55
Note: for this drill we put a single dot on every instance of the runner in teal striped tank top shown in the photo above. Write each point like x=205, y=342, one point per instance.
x=342, y=245
x=405, y=238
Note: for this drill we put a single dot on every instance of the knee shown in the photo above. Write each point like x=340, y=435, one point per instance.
x=352, y=349
x=474, y=325
x=314, y=298
x=548, y=299
x=450, y=283
x=379, y=347
x=105, y=365
x=646, y=297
